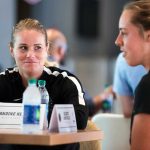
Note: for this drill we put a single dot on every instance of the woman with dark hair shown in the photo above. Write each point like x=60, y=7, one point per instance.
x=134, y=41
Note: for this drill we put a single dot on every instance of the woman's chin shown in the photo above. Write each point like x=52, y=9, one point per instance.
x=131, y=62
x=32, y=73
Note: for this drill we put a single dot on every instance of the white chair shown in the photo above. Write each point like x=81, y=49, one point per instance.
x=116, y=130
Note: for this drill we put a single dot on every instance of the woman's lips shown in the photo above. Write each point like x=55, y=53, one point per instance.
x=32, y=62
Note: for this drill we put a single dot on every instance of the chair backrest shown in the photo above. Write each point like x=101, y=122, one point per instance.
x=116, y=130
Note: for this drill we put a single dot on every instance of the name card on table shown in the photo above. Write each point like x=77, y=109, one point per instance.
x=10, y=115
x=63, y=119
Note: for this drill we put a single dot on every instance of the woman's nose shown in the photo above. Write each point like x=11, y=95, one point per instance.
x=30, y=53
x=119, y=41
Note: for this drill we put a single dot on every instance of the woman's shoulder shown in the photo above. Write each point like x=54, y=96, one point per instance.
x=62, y=76
x=9, y=72
x=144, y=86
x=146, y=79
x=57, y=71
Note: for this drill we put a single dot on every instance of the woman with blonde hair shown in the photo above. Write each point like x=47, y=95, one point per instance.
x=29, y=46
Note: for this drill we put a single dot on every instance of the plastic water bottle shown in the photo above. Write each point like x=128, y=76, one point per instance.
x=31, y=107
x=107, y=104
x=44, y=103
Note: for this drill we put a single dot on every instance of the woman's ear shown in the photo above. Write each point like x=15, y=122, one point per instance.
x=48, y=48
x=11, y=50
x=148, y=35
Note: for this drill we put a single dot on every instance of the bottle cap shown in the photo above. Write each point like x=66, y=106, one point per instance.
x=106, y=85
x=41, y=82
x=32, y=81
x=106, y=105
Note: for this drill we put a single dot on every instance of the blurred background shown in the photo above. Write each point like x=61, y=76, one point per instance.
x=90, y=26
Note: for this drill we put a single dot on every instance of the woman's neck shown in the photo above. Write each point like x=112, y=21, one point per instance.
x=26, y=77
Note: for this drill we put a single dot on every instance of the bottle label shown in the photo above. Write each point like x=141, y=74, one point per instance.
x=31, y=114
x=44, y=97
